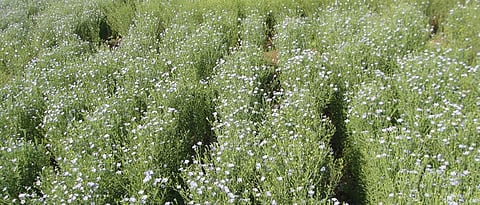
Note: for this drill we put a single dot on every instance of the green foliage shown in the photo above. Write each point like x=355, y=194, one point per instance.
x=5, y=78
x=245, y=101
x=15, y=47
x=119, y=15
x=22, y=163
x=195, y=114
x=408, y=138
x=461, y=32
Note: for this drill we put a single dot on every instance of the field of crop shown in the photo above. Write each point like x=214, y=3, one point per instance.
x=242, y=101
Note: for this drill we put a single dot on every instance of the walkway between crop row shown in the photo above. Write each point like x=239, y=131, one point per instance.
x=350, y=187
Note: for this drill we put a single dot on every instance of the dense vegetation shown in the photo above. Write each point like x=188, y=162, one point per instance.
x=245, y=101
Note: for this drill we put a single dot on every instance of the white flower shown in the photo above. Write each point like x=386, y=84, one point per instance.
x=311, y=192
x=144, y=199
x=147, y=179
x=22, y=196
x=193, y=184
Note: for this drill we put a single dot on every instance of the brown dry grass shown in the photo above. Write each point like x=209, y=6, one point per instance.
x=271, y=57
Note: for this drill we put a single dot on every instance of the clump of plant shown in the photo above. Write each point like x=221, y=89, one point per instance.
x=118, y=15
